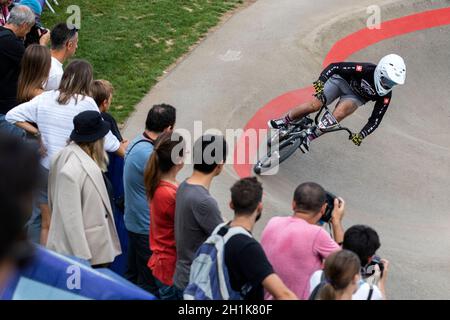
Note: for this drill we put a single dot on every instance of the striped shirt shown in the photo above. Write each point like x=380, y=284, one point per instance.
x=55, y=121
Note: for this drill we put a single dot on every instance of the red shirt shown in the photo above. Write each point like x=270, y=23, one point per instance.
x=162, y=233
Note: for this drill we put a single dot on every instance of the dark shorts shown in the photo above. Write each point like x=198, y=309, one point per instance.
x=337, y=87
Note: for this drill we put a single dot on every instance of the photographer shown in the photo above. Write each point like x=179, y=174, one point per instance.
x=12, y=49
x=37, y=31
x=364, y=242
x=295, y=245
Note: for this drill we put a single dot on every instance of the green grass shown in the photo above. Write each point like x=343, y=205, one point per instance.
x=131, y=42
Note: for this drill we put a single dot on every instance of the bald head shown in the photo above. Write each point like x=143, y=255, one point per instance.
x=309, y=197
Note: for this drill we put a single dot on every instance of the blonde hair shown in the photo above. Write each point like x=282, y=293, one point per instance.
x=101, y=90
x=97, y=152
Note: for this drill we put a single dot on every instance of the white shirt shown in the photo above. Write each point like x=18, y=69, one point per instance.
x=361, y=294
x=54, y=76
x=55, y=121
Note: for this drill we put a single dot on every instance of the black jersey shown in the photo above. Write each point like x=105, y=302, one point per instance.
x=360, y=77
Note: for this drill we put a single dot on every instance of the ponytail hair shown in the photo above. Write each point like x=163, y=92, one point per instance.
x=167, y=153
x=340, y=270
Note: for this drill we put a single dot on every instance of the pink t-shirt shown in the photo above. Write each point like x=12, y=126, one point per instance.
x=296, y=249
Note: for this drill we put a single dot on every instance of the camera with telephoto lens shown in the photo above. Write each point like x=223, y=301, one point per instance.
x=369, y=269
x=35, y=34
x=326, y=218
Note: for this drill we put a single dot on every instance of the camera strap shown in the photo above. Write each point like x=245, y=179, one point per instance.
x=369, y=297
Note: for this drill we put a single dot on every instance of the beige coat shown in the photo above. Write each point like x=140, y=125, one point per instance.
x=82, y=222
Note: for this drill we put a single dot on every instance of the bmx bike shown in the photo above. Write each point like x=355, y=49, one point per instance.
x=284, y=142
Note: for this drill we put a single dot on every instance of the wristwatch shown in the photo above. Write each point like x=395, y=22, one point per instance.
x=37, y=134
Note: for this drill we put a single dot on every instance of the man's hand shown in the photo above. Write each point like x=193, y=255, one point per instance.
x=384, y=275
x=336, y=220
x=44, y=38
x=122, y=148
x=357, y=139
x=338, y=212
x=125, y=143
x=385, y=269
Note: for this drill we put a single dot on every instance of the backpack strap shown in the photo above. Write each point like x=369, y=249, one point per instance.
x=142, y=140
x=226, y=231
x=316, y=290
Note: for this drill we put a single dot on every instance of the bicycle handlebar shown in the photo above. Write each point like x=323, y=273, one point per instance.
x=350, y=133
x=316, y=121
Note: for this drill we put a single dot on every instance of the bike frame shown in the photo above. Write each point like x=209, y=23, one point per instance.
x=317, y=118
x=338, y=126
x=298, y=131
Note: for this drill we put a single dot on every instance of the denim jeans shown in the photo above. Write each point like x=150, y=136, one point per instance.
x=166, y=292
x=10, y=129
x=178, y=293
x=137, y=271
x=40, y=197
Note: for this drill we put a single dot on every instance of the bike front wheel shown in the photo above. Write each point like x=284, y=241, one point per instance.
x=274, y=157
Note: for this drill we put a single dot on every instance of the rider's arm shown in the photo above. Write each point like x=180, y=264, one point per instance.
x=344, y=69
x=378, y=112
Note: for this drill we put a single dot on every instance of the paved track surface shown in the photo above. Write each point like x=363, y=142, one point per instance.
x=398, y=181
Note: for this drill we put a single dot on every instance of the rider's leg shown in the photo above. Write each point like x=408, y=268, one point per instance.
x=344, y=108
x=331, y=90
x=304, y=109
x=297, y=113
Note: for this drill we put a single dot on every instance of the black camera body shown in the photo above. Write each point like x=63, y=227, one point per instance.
x=369, y=269
x=35, y=34
x=326, y=218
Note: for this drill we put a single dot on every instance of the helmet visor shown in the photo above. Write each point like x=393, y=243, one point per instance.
x=387, y=83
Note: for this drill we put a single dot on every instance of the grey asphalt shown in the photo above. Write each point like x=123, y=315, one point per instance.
x=398, y=181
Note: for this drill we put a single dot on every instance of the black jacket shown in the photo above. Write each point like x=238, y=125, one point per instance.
x=360, y=77
x=11, y=53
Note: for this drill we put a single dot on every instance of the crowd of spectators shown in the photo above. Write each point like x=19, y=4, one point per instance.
x=91, y=180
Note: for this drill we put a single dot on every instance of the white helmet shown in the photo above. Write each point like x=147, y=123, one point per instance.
x=390, y=71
